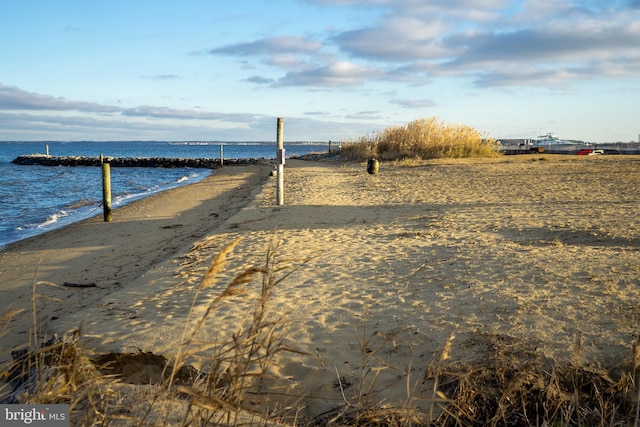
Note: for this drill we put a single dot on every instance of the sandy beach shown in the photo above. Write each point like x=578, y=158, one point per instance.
x=536, y=252
x=95, y=258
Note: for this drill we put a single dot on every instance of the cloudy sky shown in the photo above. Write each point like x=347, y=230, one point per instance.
x=333, y=69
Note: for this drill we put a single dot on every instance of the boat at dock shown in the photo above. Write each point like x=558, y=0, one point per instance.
x=551, y=139
x=550, y=143
x=547, y=143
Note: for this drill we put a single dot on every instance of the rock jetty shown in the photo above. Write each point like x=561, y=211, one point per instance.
x=133, y=162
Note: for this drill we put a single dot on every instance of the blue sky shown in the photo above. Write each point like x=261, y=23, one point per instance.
x=333, y=69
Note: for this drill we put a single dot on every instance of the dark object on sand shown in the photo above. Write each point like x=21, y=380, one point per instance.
x=373, y=165
x=79, y=285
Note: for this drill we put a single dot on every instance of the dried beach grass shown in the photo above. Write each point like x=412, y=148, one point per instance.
x=423, y=139
x=235, y=371
x=50, y=370
x=514, y=387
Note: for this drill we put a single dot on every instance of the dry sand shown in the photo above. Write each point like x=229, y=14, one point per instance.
x=537, y=252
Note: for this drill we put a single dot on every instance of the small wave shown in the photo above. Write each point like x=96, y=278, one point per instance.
x=124, y=198
x=187, y=178
x=51, y=220
x=54, y=218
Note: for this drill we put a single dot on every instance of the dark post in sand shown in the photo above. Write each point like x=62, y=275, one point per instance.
x=373, y=166
x=280, y=161
x=106, y=190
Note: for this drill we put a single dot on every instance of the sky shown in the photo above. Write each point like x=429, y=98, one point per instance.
x=208, y=70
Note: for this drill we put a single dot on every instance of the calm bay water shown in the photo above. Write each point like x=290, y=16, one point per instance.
x=36, y=199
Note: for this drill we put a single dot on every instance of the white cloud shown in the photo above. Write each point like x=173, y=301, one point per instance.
x=365, y=115
x=162, y=77
x=13, y=98
x=414, y=103
x=271, y=45
x=259, y=80
x=398, y=40
x=193, y=114
x=25, y=115
x=338, y=74
x=551, y=54
x=414, y=41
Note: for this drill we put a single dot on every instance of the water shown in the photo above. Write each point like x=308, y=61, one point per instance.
x=37, y=199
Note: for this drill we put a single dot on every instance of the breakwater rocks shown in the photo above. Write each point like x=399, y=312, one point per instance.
x=132, y=162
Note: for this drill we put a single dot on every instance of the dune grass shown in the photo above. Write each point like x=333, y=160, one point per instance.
x=423, y=139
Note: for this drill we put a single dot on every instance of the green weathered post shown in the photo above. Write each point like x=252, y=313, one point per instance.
x=106, y=191
x=373, y=165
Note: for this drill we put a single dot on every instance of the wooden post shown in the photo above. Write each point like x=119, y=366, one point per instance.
x=221, y=155
x=106, y=191
x=280, y=162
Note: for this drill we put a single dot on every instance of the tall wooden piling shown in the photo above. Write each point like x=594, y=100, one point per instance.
x=106, y=191
x=280, y=162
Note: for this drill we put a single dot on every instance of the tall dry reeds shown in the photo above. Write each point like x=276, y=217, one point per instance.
x=422, y=138
x=236, y=366
x=51, y=369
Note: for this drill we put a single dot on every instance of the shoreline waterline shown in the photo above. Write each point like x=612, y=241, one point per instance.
x=90, y=209
x=113, y=254
x=35, y=199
